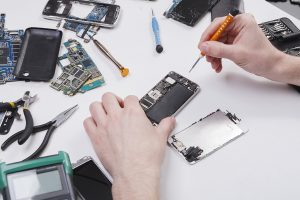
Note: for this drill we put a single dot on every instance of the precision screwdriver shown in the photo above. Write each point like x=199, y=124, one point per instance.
x=124, y=71
x=219, y=32
x=155, y=29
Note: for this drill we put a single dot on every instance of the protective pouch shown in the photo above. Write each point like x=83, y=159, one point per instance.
x=206, y=136
x=39, y=53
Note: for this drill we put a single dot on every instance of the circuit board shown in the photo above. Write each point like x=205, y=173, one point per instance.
x=10, y=45
x=71, y=80
x=77, y=56
x=168, y=96
x=87, y=31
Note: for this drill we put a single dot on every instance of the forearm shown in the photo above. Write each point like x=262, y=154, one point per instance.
x=138, y=186
x=288, y=69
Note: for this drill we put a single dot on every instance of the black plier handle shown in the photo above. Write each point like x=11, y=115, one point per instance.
x=28, y=127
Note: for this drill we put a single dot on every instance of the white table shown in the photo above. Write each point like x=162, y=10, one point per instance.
x=263, y=164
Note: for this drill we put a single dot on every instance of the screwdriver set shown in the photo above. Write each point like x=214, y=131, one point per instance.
x=283, y=34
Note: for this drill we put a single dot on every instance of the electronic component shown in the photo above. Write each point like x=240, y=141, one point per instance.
x=89, y=181
x=10, y=44
x=44, y=178
x=86, y=31
x=223, y=7
x=77, y=56
x=189, y=11
x=71, y=80
x=283, y=34
x=38, y=55
x=72, y=11
x=206, y=136
x=168, y=97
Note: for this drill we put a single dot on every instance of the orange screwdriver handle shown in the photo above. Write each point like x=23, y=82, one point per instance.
x=221, y=29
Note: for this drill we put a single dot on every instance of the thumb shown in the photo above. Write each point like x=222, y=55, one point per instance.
x=166, y=126
x=219, y=50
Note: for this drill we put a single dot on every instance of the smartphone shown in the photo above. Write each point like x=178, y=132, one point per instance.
x=189, y=12
x=90, y=182
x=224, y=7
x=168, y=97
x=84, y=12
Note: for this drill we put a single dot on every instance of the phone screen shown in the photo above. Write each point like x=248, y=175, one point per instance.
x=223, y=7
x=190, y=11
x=91, y=183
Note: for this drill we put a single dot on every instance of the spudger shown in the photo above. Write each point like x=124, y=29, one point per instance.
x=155, y=29
x=218, y=32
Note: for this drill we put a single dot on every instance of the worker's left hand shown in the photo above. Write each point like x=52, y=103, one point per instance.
x=126, y=142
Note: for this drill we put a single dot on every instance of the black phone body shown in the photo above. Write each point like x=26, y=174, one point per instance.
x=224, y=7
x=90, y=182
x=74, y=11
x=168, y=97
x=190, y=12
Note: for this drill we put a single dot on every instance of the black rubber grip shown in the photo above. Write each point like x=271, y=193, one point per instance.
x=41, y=148
x=5, y=106
x=28, y=128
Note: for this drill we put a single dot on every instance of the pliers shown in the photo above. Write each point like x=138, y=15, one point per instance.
x=10, y=110
x=49, y=126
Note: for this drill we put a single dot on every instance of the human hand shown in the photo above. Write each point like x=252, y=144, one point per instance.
x=245, y=44
x=129, y=146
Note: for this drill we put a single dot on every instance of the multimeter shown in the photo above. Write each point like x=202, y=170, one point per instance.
x=43, y=178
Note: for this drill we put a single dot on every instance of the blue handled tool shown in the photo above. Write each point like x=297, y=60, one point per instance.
x=155, y=29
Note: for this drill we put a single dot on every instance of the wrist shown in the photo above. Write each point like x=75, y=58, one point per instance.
x=288, y=69
x=136, y=184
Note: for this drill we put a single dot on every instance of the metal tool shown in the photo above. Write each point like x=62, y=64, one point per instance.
x=155, y=28
x=218, y=32
x=49, y=126
x=124, y=71
x=10, y=110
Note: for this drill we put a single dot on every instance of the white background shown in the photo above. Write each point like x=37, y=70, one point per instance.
x=262, y=164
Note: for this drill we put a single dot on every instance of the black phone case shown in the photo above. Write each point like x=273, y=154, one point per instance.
x=38, y=55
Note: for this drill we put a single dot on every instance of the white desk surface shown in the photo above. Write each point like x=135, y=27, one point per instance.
x=262, y=164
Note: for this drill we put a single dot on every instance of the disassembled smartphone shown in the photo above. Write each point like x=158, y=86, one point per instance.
x=79, y=10
x=10, y=45
x=283, y=34
x=168, y=97
x=89, y=181
x=189, y=12
x=206, y=136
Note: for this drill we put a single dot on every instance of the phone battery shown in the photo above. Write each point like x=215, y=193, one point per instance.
x=168, y=97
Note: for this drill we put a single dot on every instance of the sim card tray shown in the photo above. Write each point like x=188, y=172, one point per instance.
x=206, y=136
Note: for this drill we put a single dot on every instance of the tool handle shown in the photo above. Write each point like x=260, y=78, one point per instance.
x=155, y=29
x=6, y=106
x=221, y=29
x=102, y=48
x=42, y=147
x=17, y=135
x=28, y=128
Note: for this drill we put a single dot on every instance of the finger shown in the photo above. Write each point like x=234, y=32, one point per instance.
x=216, y=62
x=90, y=126
x=98, y=113
x=166, y=126
x=209, y=58
x=132, y=102
x=219, y=50
x=219, y=69
x=211, y=29
x=111, y=103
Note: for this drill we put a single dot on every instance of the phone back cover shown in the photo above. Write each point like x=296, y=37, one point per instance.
x=38, y=56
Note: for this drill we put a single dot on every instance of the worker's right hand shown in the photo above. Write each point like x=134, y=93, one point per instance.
x=245, y=44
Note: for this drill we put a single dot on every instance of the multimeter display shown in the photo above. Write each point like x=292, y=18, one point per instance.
x=32, y=183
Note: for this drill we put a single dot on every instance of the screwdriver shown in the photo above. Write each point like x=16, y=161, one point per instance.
x=124, y=71
x=218, y=32
x=155, y=29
